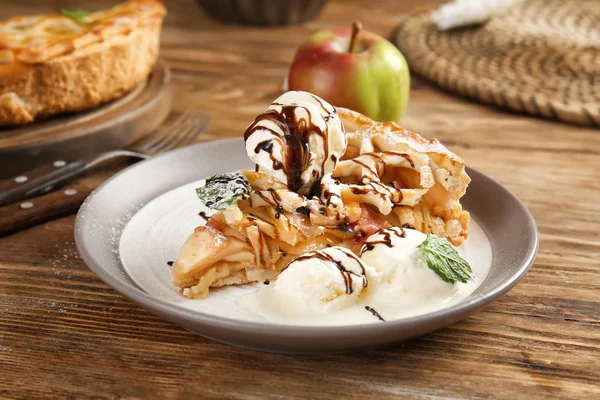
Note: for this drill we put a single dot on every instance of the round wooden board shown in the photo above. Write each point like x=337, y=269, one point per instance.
x=74, y=136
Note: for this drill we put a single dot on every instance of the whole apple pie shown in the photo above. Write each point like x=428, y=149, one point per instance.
x=51, y=64
x=324, y=177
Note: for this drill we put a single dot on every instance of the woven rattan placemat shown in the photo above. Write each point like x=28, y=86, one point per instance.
x=542, y=57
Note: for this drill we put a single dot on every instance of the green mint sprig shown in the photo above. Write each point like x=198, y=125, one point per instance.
x=444, y=260
x=78, y=16
x=224, y=190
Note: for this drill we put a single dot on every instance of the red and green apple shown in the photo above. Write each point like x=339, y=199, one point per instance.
x=356, y=69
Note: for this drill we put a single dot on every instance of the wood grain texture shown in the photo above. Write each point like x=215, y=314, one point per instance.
x=25, y=214
x=65, y=333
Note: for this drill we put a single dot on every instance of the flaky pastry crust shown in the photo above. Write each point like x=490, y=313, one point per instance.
x=388, y=177
x=433, y=179
x=51, y=64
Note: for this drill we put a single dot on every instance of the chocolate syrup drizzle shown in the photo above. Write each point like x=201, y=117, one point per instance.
x=294, y=136
x=295, y=140
x=378, y=188
x=345, y=227
x=346, y=273
x=272, y=198
x=239, y=180
x=386, y=240
x=370, y=179
x=375, y=313
x=265, y=145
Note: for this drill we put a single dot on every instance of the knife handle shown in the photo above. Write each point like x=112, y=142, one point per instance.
x=38, y=183
x=22, y=215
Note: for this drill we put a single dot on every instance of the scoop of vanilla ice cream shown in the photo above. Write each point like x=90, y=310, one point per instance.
x=297, y=141
x=406, y=278
x=323, y=281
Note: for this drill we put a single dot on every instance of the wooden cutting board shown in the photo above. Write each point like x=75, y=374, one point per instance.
x=110, y=126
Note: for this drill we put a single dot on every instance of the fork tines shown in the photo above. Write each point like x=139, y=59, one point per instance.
x=184, y=130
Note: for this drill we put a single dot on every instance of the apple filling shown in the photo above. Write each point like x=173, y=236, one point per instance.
x=386, y=176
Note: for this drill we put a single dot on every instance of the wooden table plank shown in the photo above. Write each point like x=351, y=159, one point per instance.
x=63, y=332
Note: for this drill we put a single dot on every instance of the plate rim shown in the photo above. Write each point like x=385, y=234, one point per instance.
x=164, y=308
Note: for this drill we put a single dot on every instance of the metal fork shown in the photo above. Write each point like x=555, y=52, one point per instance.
x=181, y=132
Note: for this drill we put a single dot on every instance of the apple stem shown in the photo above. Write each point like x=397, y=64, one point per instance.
x=356, y=27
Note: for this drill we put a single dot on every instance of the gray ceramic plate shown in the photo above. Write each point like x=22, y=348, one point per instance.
x=509, y=227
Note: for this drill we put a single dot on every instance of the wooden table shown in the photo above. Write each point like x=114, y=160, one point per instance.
x=63, y=332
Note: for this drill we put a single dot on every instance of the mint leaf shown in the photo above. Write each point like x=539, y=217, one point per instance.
x=223, y=190
x=76, y=15
x=444, y=260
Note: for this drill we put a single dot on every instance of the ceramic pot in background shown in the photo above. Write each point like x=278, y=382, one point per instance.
x=263, y=12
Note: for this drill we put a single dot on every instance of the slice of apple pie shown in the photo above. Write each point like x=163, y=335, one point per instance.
x=324, y=177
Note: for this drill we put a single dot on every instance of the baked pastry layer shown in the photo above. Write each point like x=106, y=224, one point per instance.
x=52, y=64
x=388, y=176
